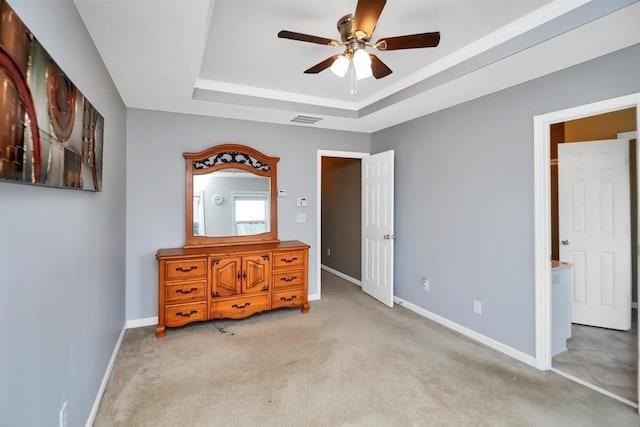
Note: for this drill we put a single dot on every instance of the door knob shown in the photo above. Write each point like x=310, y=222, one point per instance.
x=565, y=242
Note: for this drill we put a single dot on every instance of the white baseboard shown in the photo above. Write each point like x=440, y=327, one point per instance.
x=509, y=351
x=139, y=323
x=129, y=324
x=105, y=379
x=341, y=275
x=314, y=297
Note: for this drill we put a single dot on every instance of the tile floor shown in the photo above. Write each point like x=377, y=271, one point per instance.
x=603, y=357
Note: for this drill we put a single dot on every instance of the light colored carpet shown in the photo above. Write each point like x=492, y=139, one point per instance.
x=349, y=362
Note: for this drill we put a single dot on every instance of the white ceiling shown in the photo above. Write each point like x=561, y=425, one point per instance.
x=223, y=58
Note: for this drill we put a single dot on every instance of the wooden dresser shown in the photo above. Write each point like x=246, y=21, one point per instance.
x=233, y=281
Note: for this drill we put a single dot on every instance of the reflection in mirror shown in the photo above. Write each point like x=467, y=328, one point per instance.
x=231, y=202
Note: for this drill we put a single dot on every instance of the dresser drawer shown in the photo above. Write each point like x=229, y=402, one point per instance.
x=289, y=298
x=185, y=291
x=178, y=315
x=238, y=308
x=288, y=279
x=288, y=259
x=186, y=269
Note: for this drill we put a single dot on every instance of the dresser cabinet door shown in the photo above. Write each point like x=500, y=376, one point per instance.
x=226, y=276
x=256, y=274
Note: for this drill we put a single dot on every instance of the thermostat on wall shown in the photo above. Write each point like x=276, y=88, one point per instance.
x=282, y=193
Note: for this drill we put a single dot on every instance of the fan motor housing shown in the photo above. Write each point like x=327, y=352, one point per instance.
x=345, y=28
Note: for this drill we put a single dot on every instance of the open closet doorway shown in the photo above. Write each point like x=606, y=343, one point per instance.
x=333, y=167
x=586, y=223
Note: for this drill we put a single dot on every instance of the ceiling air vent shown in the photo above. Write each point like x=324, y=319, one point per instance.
x=306, y=120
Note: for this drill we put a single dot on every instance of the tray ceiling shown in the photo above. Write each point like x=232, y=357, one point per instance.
x=223, y=58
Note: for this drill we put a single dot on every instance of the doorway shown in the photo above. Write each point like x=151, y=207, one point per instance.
x=594, y=241
x=543, y=223
x=324, y=251
x=341, y=225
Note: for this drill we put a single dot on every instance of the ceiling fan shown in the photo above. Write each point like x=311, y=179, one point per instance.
x=355, y=31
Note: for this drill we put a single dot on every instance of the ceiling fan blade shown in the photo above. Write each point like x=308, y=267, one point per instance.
x=284, y=34
x=366, y=17
x=413, y=41
x=321, y=66
x=379, y=68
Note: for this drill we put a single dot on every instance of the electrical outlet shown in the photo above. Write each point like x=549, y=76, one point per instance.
x=477, y=307
x=328, y=251
x=64, y=419
x=425, y=284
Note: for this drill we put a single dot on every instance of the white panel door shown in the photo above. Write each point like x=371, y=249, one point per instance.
x=377, y=226
x=595, y=221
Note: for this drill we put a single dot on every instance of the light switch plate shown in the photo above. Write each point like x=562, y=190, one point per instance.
x=282, y=193
x=301, y=217
x=302, y=202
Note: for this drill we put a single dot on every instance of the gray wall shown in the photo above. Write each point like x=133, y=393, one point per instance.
x=62, y=279
x=156, y=175
x=464, y=197
x=341, y=210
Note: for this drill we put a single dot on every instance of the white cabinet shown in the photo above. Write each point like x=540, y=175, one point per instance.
x=560, y=306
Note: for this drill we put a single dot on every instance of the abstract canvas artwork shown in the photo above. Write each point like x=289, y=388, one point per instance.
x=50, y=134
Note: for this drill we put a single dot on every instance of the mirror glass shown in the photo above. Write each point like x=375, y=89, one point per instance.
x=231, y=202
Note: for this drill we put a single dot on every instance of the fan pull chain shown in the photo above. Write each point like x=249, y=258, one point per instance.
x=354, y=81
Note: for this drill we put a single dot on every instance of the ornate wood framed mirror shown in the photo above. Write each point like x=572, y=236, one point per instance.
x=231, y=197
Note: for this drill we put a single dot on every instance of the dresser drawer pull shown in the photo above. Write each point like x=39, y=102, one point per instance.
x=186, y=270
x=189, y=314
x=215, y=294
x=289, y=279
x=291, y=298
x=288, y=260
x=182, y=291
x=265, y=288
x=246, y=304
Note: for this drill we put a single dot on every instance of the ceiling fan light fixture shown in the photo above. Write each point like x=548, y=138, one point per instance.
x=340, y=66
x=356, y=30
x=362, y=64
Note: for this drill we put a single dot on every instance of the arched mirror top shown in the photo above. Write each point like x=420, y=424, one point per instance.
x=231, y=196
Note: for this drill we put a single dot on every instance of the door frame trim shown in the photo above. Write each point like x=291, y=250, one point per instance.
x=320, y=155
x=542, y=209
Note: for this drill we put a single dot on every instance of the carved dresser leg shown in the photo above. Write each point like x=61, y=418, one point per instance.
x=305, y=307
